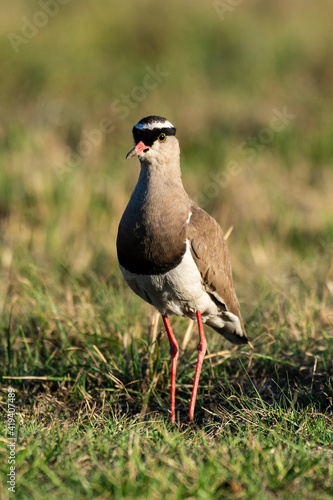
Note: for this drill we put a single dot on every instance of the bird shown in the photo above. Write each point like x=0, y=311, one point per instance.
x=171, y=252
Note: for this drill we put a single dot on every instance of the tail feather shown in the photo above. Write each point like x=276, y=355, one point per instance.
x=231, y=327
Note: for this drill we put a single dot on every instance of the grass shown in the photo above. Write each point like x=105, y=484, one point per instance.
x=92, y=388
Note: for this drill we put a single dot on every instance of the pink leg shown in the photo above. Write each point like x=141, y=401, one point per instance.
x=174, y=350
x=202, y=346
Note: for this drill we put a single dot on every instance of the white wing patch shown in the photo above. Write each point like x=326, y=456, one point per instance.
x=188, y=218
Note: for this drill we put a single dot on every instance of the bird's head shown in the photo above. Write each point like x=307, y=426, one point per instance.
x=155, y=140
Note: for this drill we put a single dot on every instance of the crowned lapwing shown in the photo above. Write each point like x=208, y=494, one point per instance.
x=171, y=252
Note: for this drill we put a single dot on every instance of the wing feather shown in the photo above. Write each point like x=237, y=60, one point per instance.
x=211, y=255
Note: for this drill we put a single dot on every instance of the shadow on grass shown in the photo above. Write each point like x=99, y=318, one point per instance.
x=77, y=382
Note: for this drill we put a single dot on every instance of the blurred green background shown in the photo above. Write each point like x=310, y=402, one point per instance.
x=249, y=88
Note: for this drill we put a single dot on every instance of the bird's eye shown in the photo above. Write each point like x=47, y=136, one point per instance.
x=162, y=137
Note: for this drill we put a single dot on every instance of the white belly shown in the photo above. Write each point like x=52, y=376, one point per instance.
x=179, y=291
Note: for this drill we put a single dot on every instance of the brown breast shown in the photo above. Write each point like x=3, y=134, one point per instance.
x=152, y=231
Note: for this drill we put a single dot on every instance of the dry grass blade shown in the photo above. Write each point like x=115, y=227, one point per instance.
x=187, y=335
x=228, y=233
x=100, y=354
x=153, y=329
x=119, y=383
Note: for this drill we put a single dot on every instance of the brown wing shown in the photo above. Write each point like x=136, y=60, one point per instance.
x=211, y=255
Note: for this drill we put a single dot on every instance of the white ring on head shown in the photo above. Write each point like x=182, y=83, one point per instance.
x=151, y=126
